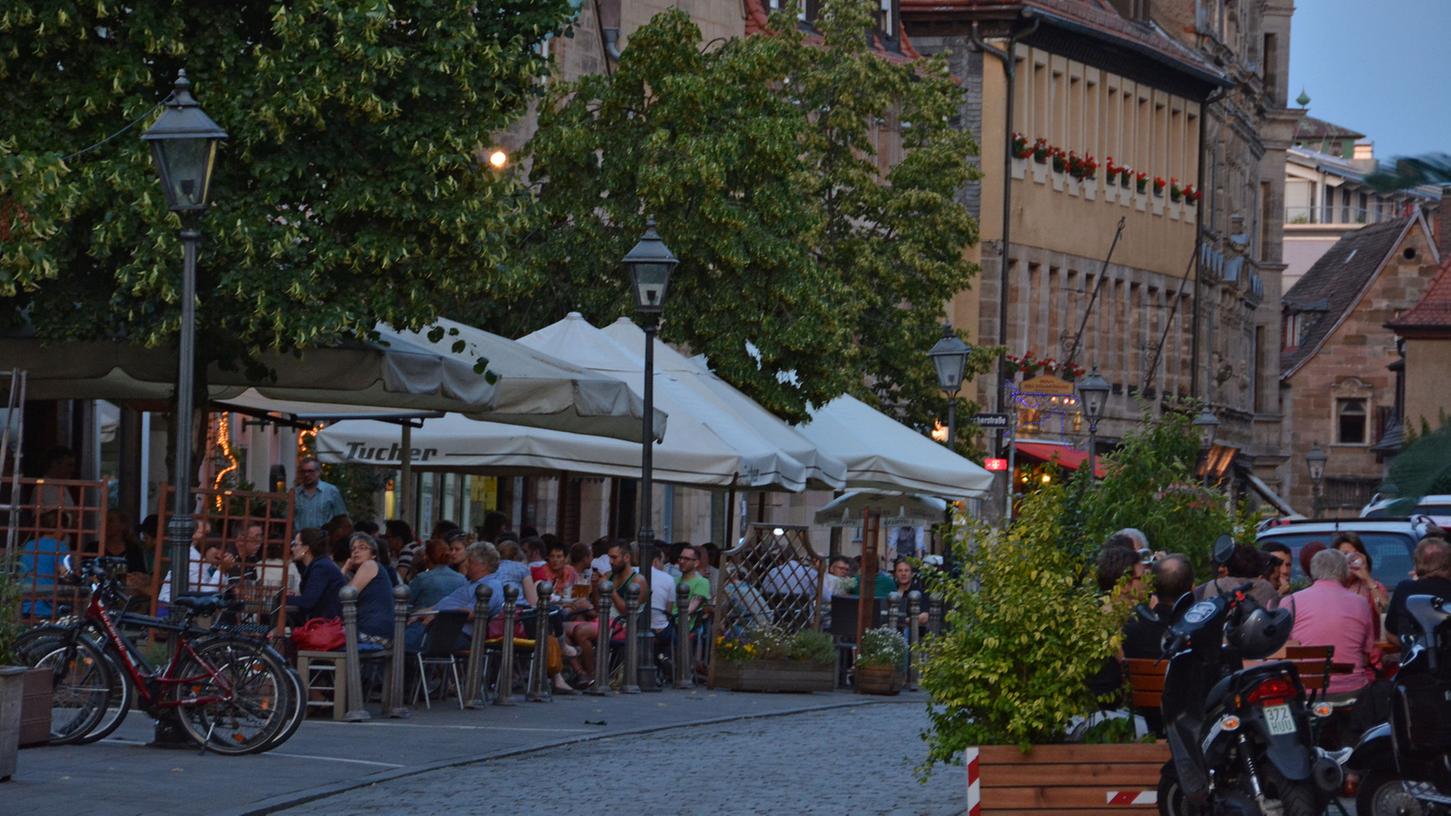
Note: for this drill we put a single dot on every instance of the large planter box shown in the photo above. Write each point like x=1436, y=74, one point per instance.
x=878, y=680
x=1064, y=778
x=12, y=679
x=35, y=707
x=775, y=675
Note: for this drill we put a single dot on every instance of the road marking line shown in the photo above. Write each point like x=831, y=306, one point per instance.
x=457, y=727
x=335, y=759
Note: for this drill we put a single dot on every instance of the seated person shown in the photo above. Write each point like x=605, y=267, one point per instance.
x=1113, y=566
x=481, y=565
x=41, y=561
x=321, y=578
x=1173, y=577
x=435, y=577
x=1246, y=565
x=1326, y=613
x=208, y=565
x=905, y=580
x=373, y=580
x=1432, y=577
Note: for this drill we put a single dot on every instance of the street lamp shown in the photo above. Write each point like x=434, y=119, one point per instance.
x=183, y=143
x=949, y=358
x=1315, y=461
x=1208, y=425
x=650, y=263
x=1093, y=392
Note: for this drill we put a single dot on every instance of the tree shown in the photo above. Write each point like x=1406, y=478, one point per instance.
x=351, y=189
x=806, y=269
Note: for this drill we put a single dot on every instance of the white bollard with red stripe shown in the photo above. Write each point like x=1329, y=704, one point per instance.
x=974, y=782
x=1132, y=798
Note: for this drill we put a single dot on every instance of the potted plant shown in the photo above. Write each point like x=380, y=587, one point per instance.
x=879, y=661
x=1192, y=195
x=1021, y=149
x=1159, y=186
x=768, y=658
x=1176, y=193
x=1125, y=175
x=1141, y=182
x=1060, y=160
x=12, y=676
x=1041, y=150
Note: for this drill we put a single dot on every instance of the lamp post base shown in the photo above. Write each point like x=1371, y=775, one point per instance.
x=168, y=734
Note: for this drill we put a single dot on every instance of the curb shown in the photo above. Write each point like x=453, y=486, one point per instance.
x=288, y=800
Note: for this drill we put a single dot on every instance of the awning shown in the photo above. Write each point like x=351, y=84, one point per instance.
x=1267, y=493
x=1065, y=457
x=896, y=509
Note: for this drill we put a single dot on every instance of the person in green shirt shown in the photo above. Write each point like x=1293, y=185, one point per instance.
x=689, y=563
x=883, y=587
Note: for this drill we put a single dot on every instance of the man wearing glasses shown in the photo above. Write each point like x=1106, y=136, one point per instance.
x=316, y=502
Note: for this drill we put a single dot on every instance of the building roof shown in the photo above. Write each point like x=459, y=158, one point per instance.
x=1332, y=287
x=1432, y=314
x=758, y=17
x=1346, y=168
x=1312, y=129
x=1094, y=17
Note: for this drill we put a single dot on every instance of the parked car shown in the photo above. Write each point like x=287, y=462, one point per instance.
x=1390, y=542
x=1438, y=507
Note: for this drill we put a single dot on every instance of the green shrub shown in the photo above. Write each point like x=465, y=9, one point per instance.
x=811, y=647
x=774, y=643
x=10, y=627
x=1013, y=664
x=882, y=646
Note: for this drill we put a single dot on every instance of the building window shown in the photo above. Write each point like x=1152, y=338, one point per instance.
x=886, y=18
x=1351, y=421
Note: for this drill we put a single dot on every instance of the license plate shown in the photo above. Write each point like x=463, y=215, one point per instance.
x=1280, y=720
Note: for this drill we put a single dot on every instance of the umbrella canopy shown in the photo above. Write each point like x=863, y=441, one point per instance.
x=402, y=374
x=897, y=509
x=883, y=454
x=689, y=455
x=706, y=425
x=822, y=471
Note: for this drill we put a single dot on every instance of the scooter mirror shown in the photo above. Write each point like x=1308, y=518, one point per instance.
x=1223, y=550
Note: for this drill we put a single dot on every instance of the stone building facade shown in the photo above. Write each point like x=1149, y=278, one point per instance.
x=1340, y=391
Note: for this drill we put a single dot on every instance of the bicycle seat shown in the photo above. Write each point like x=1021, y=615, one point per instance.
x=205, y=603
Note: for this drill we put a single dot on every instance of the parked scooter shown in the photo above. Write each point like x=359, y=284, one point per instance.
x=1240, y=739
x=1406, y=763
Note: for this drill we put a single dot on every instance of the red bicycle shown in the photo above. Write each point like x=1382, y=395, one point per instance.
x=231, y=694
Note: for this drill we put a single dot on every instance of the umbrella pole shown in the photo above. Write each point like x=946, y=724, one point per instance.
x=730, y=519
x=405, y=477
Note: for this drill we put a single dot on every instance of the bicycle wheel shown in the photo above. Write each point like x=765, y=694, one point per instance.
x=298, y=712
x=37, y=644
x=253, y=696
x=81, y=684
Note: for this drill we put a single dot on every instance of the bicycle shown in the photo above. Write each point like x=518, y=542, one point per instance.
x=232, y=693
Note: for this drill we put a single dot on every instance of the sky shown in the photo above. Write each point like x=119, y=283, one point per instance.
x=1378, y=67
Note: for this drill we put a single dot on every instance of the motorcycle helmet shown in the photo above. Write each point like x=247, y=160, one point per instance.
x=1261, y=633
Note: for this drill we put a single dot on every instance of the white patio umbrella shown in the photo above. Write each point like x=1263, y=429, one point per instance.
x=883, y=454
x=690, y=454
x=822, y=471
x=902, y=509
x=708, y=425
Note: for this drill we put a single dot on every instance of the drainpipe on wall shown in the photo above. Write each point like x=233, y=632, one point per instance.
x=1007, y=58
x=1198, y=255
x=607, y=12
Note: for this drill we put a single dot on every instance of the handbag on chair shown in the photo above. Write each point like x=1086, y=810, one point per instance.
x=320, y=635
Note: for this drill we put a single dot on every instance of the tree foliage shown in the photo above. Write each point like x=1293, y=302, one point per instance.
x=808, y=268
x=351, y=189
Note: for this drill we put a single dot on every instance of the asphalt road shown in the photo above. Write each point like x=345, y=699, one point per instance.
x=858, y=760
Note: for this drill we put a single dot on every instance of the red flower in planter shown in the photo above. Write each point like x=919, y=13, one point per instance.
x=1041, y=151
x=1192, y=195
x=1020, y=148
x=1159, y=185
x=1109, y=167
x=1125, y=175
x=1060, y=160
x=1141, y=179
x=1087, y=167
x=1175, y=191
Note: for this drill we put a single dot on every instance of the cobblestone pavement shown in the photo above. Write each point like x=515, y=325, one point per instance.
x=849, y=760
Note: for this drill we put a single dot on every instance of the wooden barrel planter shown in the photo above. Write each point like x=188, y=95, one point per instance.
x=878, y=679
x=774, y=675
x=35, y=707
x=1084, y=780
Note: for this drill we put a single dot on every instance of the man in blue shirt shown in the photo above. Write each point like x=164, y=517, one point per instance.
x=481, y=567
x=315, y=502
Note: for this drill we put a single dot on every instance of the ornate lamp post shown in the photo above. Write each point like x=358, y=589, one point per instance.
x=1092, y=393
x=184, y=145
x=949, y=358
x=650, y=263
x=1315, y=461
x=1207, y=424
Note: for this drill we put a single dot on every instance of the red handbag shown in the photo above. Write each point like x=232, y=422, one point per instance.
x=320, y=635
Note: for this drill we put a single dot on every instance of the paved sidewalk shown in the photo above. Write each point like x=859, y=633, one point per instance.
x=121, y=775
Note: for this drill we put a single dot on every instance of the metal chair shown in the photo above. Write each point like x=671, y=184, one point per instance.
x=438, y=650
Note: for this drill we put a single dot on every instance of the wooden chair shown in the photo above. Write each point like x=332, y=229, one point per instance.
x=1146, y=682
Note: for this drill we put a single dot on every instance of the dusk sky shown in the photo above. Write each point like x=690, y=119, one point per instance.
x=1378, y=68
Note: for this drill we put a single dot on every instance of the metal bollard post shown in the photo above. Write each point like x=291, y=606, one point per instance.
x=631, y=683
x=401, y=598
x=356, y=710
x=504, y=683
x=894, y=611
x=914, y=635
x=477, y=694
x=934, y=616
x=601, y=688
x=539, y=685
x=683, y=667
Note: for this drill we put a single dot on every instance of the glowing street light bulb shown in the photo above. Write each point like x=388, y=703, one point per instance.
x=497, y=159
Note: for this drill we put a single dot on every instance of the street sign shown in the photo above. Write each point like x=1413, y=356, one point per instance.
x=995, y=464
x=991, y=420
